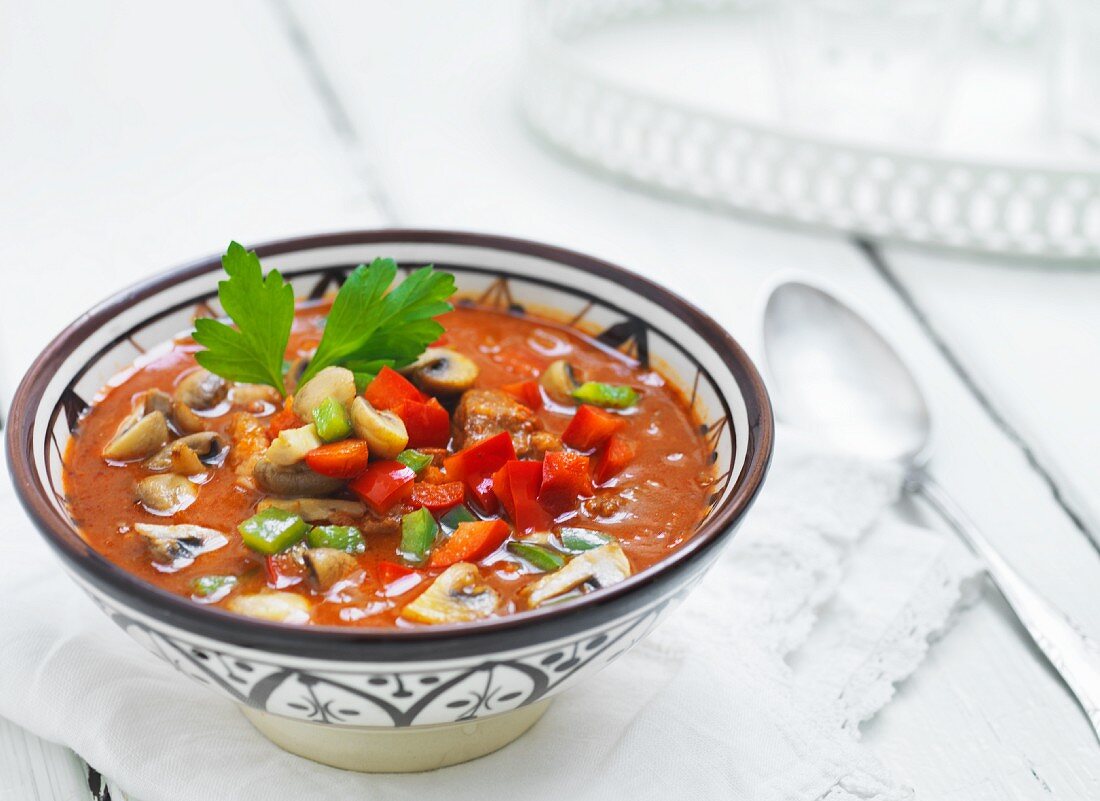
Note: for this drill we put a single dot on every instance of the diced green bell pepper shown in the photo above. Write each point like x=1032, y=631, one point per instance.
x=348, y=539
x=418, y=533
x=414, y=460
x=331, y=420
x=538, y=556
x=208, y=586
x=615, y=396
x=272, y=530
x=459, y=514
x=582, y=539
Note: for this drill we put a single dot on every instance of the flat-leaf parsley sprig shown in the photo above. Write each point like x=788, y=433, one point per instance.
x=368, y=327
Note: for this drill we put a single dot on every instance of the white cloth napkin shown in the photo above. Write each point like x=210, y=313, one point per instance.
x=753, y=690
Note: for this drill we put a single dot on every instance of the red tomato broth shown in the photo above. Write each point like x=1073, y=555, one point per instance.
x=663, y=486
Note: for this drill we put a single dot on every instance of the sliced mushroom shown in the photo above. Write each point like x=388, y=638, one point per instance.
x=315, y=510
x=293, y=480
x=332, y=382
x=177, y=546
x=202, y=390
x=292, y=445
x=188, y=455
x=136, y=439
x=442, y=371
x=154, y=400
x=457, y=595
x=281, y=607
x=560, y=380
x=600, y=567
x=259, y=398
x=384, y=431
x=166, y=493
x=185, y=419
x=328, y=565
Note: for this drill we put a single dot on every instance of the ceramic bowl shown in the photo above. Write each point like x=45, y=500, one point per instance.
x=400, y=700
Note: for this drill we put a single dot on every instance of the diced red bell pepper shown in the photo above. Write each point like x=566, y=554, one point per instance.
x=438, y=497
x=565, y=481
x=470, y=542
x=396, y=579
x=482, y=459
x=611, y=457
x=526, y=392
x=389, y=389
x=481, y=487
x=283, y=419
x=589, y=427
x=389, y=572
x=345, y=459
x=282, y=570
x=384, y=484
x=517, y=485
x=428, y=424
x=475, y=466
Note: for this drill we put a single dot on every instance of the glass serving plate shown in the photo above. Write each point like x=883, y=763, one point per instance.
x=949, y=124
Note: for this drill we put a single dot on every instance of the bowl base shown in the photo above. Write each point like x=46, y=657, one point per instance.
x=390, y=750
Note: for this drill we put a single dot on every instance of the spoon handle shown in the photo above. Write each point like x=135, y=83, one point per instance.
x=1072, y=653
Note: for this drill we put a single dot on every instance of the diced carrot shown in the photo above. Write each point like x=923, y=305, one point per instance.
x=389, y=389
x=565, y=481
x=470, y=542
x=345, y=459
x=438, y=497
x=589, y=427
x=611, y=457
x=383, y=484
x=428, y=424
x=526, y=392
x=283, y=419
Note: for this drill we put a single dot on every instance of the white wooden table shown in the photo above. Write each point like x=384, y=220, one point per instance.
x=135, y=136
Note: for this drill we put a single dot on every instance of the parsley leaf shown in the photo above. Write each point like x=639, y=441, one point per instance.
x=262, y=309
x=369, y=327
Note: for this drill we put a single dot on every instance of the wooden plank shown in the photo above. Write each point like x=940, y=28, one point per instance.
x=127, y=151
x=1034, y=351
x=35, y=770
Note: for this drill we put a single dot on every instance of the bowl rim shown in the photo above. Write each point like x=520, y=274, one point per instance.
x=351, y=643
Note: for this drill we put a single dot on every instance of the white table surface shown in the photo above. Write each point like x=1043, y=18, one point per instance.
x=136, y=136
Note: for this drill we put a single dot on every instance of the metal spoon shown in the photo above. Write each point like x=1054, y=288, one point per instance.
x=834, y=375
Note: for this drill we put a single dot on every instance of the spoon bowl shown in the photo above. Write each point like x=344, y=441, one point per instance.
x=833, y=374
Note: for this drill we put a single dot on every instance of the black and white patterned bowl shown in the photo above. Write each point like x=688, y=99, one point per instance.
x=355, y=697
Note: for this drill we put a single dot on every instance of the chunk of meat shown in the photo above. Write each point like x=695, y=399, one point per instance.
x=437, y=454
x=483, y=413
x=604, y=505
x=542, y=442
x=380, y=527
x=250, y=442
